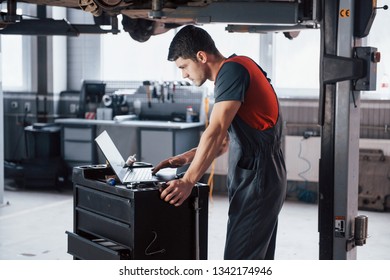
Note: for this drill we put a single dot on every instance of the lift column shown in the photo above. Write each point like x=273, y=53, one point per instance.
x=346, y=68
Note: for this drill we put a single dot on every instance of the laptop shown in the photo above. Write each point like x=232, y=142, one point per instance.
x=139, y=172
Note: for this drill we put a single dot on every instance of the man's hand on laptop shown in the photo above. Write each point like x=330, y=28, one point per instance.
x=172, y=162
x=176, y=161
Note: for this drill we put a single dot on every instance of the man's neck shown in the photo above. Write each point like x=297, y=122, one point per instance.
x=215, y=65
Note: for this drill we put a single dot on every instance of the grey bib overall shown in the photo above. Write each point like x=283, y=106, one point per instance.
x=257, y=189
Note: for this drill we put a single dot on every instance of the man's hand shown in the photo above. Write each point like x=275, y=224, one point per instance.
x=172, y=162
x=176, y=191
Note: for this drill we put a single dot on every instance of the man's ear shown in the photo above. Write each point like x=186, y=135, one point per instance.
x=201, y=56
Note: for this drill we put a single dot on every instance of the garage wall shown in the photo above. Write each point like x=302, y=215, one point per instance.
x=301, y=115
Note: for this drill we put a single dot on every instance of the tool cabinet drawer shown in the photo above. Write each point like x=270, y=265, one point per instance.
x=115, y=207
x=78, y=133
x=95, y=248
x=104, y=227
x=78, y=151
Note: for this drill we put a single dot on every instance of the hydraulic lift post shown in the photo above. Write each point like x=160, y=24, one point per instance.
x=344, y=71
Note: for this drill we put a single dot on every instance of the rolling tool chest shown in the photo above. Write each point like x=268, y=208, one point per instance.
x=133, y=222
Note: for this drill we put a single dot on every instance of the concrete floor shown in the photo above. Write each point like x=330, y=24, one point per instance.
x=33, y=224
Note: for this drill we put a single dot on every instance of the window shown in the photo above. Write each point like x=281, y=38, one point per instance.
x=297, y=64
x=12, y=62
x=377, y=39
x=297, y=61
x=125, y=59
x=17, y=57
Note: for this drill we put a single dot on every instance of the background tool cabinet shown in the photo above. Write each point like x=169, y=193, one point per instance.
x=374, y=180
x=122, y=222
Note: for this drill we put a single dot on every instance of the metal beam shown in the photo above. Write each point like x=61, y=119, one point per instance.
x=42, y=56
x=279, y=13
x=267, y=28
x=51, y=27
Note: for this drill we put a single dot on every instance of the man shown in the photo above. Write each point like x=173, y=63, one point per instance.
x=246, y=118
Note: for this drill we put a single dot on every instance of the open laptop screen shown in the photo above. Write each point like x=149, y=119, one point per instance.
x=134, y=174
x=112, y=154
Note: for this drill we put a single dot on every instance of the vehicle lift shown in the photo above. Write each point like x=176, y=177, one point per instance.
x=346, y=68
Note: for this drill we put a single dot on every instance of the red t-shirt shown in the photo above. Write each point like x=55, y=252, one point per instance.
x=240, y=78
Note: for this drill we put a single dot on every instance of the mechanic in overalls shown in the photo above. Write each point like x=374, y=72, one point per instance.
x=246, y=119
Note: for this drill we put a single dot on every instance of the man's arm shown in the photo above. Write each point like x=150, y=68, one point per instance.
x=211, y=142
x=186, y=157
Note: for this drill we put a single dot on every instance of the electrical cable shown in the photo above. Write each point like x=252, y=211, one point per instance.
x=305, y=160
x=302, y=192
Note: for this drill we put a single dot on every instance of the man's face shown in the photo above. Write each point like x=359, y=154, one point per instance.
x=192, y=70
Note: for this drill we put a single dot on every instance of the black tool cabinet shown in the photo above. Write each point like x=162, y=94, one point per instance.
x=122, y=222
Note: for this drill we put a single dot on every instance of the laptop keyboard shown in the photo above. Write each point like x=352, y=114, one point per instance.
x=139, y=175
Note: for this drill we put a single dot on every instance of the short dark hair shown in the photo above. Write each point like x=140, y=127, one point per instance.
x=189, y=41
